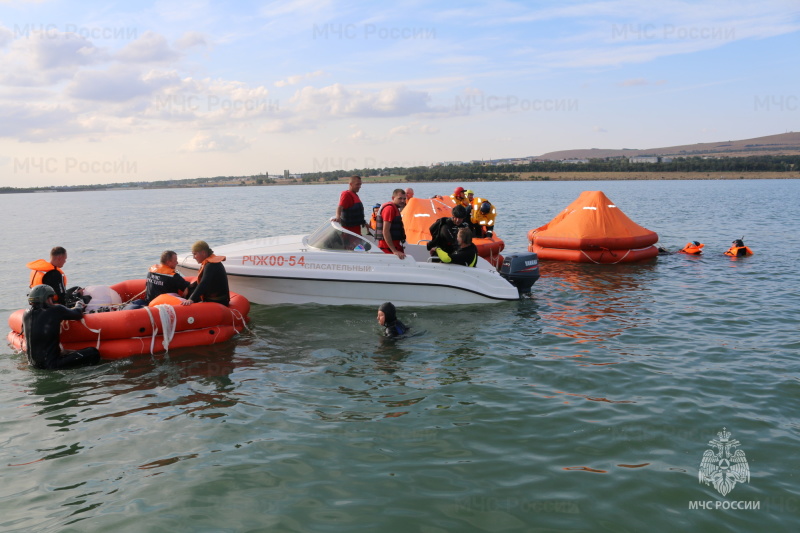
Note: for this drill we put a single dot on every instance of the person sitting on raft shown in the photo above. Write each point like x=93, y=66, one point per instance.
x=41, y=324
x=694, y=248
x=387, y=317
x=466, y=254
x=163, y=279
x=738, y=249
x=212, y=280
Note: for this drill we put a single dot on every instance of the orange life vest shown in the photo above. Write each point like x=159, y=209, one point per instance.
x=39, y=268
x=210, y=259
x=690, y=248
x=736, y=251
x=161, y=269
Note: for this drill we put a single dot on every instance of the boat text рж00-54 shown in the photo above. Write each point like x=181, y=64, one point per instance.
x=333, y=266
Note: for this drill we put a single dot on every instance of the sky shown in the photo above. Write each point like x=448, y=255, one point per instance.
x=102, y=92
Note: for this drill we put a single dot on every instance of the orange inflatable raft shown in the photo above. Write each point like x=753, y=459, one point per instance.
x=420, y=213
x=593, y=230
x=119, y=334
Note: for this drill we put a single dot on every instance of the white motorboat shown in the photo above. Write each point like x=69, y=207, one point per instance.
x=333, y=266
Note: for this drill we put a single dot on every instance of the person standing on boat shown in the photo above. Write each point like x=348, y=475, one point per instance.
x=409, y=194
x=350, y=211
x=41, y=324
x=387, y=318
x=466, y=254
x=373, y=221
x=163, y=279
x=444, y=232
x=212, y=280
x=391, y=232
x=50, y=273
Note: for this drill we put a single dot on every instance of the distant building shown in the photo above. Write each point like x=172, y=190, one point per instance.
x=574, y=161
x=643, y=159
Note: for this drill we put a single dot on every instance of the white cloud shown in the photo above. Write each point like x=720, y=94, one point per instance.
x=117, y=84
x=6, y=36
x=215, y=142
x=337, y=101
x=191, y=39
x=46, y=57
x=640, y=82
x=36, y=123
x=294, y=80
x=149, y=48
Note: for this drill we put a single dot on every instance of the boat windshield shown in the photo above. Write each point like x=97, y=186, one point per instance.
x=331, y=236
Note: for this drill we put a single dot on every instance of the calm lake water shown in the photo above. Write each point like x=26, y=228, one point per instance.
x=585, y=408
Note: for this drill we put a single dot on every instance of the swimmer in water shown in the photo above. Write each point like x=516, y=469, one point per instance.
x=387, y=318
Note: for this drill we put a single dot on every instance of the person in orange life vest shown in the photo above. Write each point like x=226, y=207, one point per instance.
x=470, y=196
x=390, y=229
x=350, y=211
x=212, y=280
x=459, y=198
x=50, y=273
x=163, y=279
x=373, y=220
x=739, y=249
x=694, y=248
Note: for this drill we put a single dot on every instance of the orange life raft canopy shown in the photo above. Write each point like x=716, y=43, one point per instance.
x=593, y=230
x=130, y=332
x=420, y=213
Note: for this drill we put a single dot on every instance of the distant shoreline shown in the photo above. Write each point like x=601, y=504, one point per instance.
x=512, y=176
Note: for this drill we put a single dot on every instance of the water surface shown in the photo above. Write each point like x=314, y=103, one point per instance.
x=585, y=408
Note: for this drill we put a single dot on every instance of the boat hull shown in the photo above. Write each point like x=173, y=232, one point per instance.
x=286, y=270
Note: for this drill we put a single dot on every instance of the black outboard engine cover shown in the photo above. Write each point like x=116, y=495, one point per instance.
x=521, y=270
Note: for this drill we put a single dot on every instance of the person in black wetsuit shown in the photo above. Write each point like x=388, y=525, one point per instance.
x=466, y=254
x=387, y=317
x=445, y=230
x=42, y=327
x=212, y=280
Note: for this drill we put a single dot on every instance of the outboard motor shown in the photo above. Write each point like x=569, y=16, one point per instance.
x=521, y=270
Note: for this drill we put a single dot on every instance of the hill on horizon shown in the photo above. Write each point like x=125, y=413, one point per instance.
x=780, y=144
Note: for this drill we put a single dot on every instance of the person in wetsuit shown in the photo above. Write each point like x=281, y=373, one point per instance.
x=212, y=280
x=444, y=232
x=42, y=327
x=387, y=318
x=466, y=254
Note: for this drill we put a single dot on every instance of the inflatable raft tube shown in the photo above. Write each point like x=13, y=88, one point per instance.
x=119, y=334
